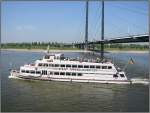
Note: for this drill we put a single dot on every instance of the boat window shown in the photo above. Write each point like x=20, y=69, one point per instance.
x=86, y=66
x=67, y=73
x=79, y=74
x=57, y=57
x=68, y=65
x=46, y=65
x=27, y=71
x=74, y=66
x=33, y=72
x=80, y=66
x=46, y=57
x=44, y=72
x=38, y=72
x=56, y=65
x=62, y=65
x=23, y=71
x=52, y=65
x=56, y=73
x=92, y=66
x=98, y=67
x=109, y=67
x=104, y=67
x=62, y=73
x=39, y=64
x=122, y=75
x=51, y=73
x=115, y=75
x=73, y=74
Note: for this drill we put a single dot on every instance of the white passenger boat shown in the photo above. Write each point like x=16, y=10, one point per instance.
x=58, y=68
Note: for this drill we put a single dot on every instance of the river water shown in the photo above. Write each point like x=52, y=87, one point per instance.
x=23, y=95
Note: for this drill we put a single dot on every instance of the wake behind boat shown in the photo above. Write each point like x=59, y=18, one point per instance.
x=59, y=68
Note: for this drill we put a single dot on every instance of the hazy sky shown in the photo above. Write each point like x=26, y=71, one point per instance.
x=65, y=21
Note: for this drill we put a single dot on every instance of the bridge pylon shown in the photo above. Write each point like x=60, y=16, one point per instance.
x=86, y=26
x=102, y=30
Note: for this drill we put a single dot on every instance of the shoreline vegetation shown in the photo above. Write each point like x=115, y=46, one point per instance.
x=62, y=47
x=59, y=50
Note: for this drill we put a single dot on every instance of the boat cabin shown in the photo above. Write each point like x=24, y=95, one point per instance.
x=53, y=56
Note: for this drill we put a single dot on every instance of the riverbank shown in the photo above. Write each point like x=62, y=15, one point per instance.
x=42, y=50
x=129, y=51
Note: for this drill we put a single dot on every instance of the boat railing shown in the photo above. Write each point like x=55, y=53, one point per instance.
x=76, y=69
x=88, y=60
x=31, y=65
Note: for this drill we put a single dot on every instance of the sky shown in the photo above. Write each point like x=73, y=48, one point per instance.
x=64, y=21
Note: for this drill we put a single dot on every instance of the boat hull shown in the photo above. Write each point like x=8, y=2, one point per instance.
x=17, y=75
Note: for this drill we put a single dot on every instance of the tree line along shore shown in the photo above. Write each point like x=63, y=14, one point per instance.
x=63, y=46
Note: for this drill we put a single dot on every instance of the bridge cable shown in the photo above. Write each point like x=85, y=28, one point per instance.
x=125, y=20
x=132, y=10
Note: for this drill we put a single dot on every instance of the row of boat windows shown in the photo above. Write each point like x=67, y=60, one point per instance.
x=115, y=75
x=51, y=73
x=74, y=66
x=31, y=71
x=62, y=73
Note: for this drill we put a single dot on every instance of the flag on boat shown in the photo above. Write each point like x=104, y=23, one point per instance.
x=131, y=61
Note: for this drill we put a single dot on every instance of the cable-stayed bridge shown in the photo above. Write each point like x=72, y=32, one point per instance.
x=126, y=39
x=103, y=40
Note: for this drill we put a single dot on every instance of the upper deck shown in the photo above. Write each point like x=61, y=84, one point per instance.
x=59, y=58
x=59, y=61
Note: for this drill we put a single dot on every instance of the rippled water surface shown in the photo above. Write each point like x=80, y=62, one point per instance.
x=22, y=95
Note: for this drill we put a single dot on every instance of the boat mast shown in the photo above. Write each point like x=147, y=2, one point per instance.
x=102, y=31
x=86, y=26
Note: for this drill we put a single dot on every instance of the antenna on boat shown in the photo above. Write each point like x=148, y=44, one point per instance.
x=48, y=49
x=113, y=58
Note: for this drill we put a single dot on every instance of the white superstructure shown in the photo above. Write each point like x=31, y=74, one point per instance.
x=57, y=67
